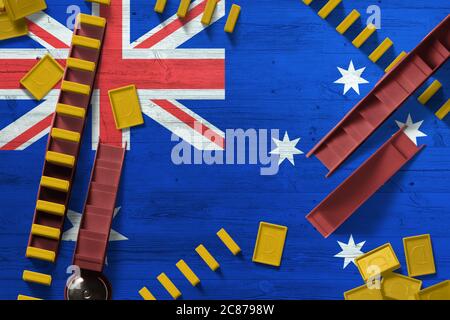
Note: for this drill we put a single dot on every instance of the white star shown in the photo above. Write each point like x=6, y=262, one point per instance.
x=351, y=78
x=286, y=148
x=75, y=219
x=350, y=251
x=412, y=129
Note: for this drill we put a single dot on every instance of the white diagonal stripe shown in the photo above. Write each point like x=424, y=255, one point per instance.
x=58, y=30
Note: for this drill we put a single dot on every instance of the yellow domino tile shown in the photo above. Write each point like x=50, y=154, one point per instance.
x=105, y=2
x=207, y=257
x=45, y=231
x=429, y=92
x=12, y=29
x=440, y=291
x=92, y=20
x=232, y=18
x=169, y=285
x=2, y=6
x=146, y=294
x=42, y=77
x=80, y=64
x=24, y=297
x=17, y=9
x=209, y=11
x=443, y=111
x=380, y=260
x=399, y=287
x=40, y=254
x=86, y=42
x=160, y=5
x=419, y=255
x=67, y=135
x=126, y=107
x=328, y=8
x=348, y=21
x=228, y=241
x=74, y=87
x=380, y=50
x=61, y=159
x=363, y=293
x=364, y=35
x=70, y=111
x=188, y=273
x=51, y=207
x=37, y=277
x=269, y=244
x=396, y=60
x=183, y=8
x=55, y=183
x=307, y=2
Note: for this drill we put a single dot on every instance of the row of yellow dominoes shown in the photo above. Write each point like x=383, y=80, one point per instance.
x=190, y=275
x=208, y=12
x=376, y=54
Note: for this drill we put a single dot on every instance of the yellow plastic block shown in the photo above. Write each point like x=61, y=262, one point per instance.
x=55, y=183
x=380, y=50
x=328, y=8
x=232, y=18
x=17, y=9
x=24, y=297
x=126, y=107
x=188, y=273
x=419, y=255
x=207, y=257
x=12, y=29
x=307, y=2
x=169, y=286
x=40, y=254
x=75, y=87
x=429, y=92
x=79, y=64
x=67, y=135
x=71, y=111
x=42, y=77
x=160, y=5
x=363, y=293
x=183, y=8
x=440, y=291
x=37, y=277
x=44, y=231
x=396, y=60
x=92, y=20
x=209, y=11
x=51, y=207
x=2, y=5
x=105, y=2
x=443, y=111
x=399, y=287
x=364, y=35
x=61, y=159
x=228, y=241
x=348, y=21
x=146, y=294
x=379, y=261
x=86, y=42
x=269, y=244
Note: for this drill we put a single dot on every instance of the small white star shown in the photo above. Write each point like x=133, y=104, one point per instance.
x=350, y=251
x=75, y=219
x=351, y=78
x=412, y=129
x=286, y=148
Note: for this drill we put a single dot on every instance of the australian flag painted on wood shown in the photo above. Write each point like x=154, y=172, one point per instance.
x=274, y=88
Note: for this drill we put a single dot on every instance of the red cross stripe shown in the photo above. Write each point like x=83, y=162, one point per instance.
x=162, y=72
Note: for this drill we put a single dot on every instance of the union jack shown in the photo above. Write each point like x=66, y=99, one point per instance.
x=162, y=72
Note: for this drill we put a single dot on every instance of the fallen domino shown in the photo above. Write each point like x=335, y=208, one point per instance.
x=396, y=286
x=20, y=9
x=126, y=107
x=269, y=244
x=378, y=261
x=12, y=29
